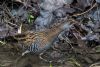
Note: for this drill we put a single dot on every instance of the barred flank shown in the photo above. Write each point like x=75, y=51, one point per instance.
x=33, y=48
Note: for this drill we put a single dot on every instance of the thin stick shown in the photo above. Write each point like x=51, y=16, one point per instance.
x=94, y=5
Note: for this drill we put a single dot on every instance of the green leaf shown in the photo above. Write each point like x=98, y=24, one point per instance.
x=30, y=18
x=51, y=65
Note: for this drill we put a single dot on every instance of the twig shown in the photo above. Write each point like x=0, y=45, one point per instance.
x=95, y=64
x=9, y=14
x=40, y=56
x=20, y=29
x=78, y=14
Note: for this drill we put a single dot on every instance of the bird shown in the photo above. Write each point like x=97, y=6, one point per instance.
x=37, y=41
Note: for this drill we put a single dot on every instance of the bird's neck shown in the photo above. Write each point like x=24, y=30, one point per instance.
x=53, y=32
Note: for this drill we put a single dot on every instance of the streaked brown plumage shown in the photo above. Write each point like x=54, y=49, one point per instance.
x=39, y=41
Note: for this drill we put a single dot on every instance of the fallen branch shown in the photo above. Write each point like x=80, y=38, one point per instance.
x=78, y=14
